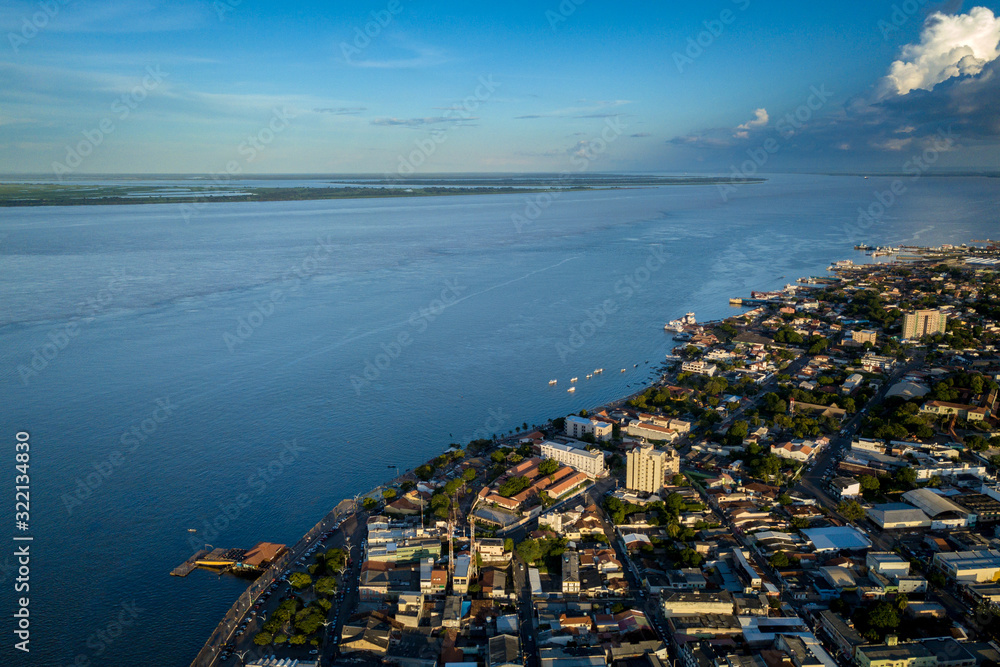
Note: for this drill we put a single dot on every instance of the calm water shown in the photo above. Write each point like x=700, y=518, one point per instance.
x=156, y=304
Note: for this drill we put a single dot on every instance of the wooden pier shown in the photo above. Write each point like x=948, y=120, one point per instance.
x=185, y=568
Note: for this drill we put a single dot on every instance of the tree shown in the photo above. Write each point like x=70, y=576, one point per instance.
x=469, y=474
x=370, y=504
x=906, y=477
x=800, y=522
x=678, y=480
x=883, y=617
x=263, y=638
x=851, y=510
x=548, y=466
x=298, y=639
x=869, y=483
x=326, y=586
x=779, y=559
x=424, y=472
x=785, y=499
x=388, y=494
x=299, y=580
x=508, y=544
x=514, y=486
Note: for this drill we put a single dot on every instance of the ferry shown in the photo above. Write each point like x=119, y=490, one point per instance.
x=679, y=324
x=553, y=381
x=571, y=389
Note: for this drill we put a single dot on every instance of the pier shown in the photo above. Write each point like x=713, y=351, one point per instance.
x=185, y=568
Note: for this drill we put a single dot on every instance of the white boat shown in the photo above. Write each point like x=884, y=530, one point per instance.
x=553, y=381
x=623, y=370
x=573, y=379
x=680, y=323
x=589, y=376
x=598, y=370
x=571, y=389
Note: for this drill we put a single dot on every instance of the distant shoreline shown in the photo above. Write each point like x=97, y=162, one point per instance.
x=52, y=194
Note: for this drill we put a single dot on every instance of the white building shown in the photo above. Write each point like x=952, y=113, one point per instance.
x=795, y=451
x=589, y=463
x=577, y=427
x=969, y=565
x=699, y=367
x=650, y=431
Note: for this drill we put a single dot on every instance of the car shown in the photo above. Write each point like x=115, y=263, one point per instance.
x=314, y=652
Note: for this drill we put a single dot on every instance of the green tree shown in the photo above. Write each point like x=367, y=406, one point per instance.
x=784, y=499
x=883, y=617
x=679, y=480
x=508, y=544
x=851, y=510
x=869, y=483
x=469, y=474
x=326, y=586
x=424, y=472
x=299, y=580
x=388, y=494
x=779, y=559
x=548, y=466
x=298, y=640
x=263, y=638
x=514, y=486
x=370, y=504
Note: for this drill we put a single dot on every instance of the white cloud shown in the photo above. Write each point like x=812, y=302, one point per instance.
x=760, y=119
x=949, y=46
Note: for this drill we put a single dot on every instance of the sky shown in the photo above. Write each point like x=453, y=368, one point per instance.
x=408, y=88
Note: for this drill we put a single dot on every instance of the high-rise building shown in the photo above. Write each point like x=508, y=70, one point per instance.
x=646, y=468
x=920, y=323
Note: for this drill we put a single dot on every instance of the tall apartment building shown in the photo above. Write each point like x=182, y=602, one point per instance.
x=589, y=463
x=646, y=468
x=865, y=336
x=919, y=323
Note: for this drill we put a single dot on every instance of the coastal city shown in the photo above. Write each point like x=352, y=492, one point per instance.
x=811, y=482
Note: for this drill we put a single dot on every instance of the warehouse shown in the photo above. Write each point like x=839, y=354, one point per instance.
x=898, y=516
x=943, y=513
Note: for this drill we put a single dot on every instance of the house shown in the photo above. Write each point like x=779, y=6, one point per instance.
x=966, y=412
x=846, y=487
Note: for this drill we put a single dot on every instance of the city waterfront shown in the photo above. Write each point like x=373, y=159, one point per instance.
x=291, y=352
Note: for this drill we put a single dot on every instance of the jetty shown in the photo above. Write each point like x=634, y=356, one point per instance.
x=185, y=568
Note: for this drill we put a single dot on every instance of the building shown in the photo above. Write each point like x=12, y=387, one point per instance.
x=463, y=575
x=977, y=566
x=838, y=538
x=504, y=651
x=795, y=451
x=846, y=487
x=852, y=383
x=864, y=336
x=570, y=573
x=577, y=427
x=966, y=412
x=895, y=655
x=648, y=468
x=690, y=603
x=843, y=635
x=699, y=367
x=943, y=513
x=650, y=431
x=920, y=323
x=887, y=563
x=898, y=516
x=589, y=463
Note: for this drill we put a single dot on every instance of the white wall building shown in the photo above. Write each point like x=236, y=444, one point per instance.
x=589, y=463
x=577, y=427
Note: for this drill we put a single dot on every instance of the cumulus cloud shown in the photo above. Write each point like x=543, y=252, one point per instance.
x=760, y=119
x=950, y=46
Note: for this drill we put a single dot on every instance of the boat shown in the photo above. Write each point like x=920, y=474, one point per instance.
x=573, y=379
x=598, y=370
x=571, y=389
x=623, y=370
x=589, y=376
x=553, y=381
x=680, y=323
x=192, y=530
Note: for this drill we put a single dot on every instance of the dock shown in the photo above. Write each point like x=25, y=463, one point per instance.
x=185, y=568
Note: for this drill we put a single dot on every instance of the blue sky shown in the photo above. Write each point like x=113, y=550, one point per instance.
x=263, y=87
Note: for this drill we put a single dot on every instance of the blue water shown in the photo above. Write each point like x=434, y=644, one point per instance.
x=167, y=298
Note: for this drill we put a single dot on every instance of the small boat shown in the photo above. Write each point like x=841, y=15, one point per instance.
x=553, y=381
x=573, y=379
x=623, y=370
x=598, y=370
x=571, y=389
x=192, y=530
x=589, y=376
